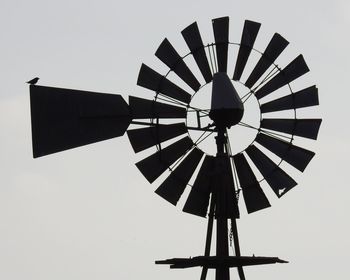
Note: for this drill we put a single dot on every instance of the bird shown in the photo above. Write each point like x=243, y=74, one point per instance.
x=33, y=81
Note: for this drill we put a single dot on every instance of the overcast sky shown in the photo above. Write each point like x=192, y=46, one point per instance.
x=88, y=213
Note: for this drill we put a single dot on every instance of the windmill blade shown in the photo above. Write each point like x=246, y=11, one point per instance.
x=154, y=165
x=307, y=128
x=147, y=109
x=169, y=56
x=279, y=181
x=272, y=51
x=195, y=44
x=174, y=185
x=221, y=35
x=198, y=200
x=304, y=98
x=292, y=71
x=253, y=195
x=294, y=155
x=144, y=138
x=250, y=32
x=150, y=79
x=63, y=119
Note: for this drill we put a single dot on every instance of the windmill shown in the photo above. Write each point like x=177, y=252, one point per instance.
x=65, y=118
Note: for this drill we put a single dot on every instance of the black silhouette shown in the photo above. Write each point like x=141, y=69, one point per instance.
x=33, y=81
x=63, y=119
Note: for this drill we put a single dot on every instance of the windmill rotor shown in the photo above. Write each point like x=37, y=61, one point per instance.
x=64, y=118
x=274, y=134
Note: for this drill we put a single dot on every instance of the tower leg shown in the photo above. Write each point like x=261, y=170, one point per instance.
x=209, y=236
x=222, y=273
x=237, y=248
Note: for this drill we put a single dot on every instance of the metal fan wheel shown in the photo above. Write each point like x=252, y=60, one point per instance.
x=171, y=102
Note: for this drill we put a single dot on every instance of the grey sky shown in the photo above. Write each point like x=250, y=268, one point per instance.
x=88, y=213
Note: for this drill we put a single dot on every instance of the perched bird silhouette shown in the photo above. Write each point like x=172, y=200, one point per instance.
x=33, y=81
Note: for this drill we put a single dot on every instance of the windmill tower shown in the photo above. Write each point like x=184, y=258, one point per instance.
x=64, y=118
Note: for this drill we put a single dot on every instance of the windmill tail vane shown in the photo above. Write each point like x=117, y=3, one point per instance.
x=63, y=119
